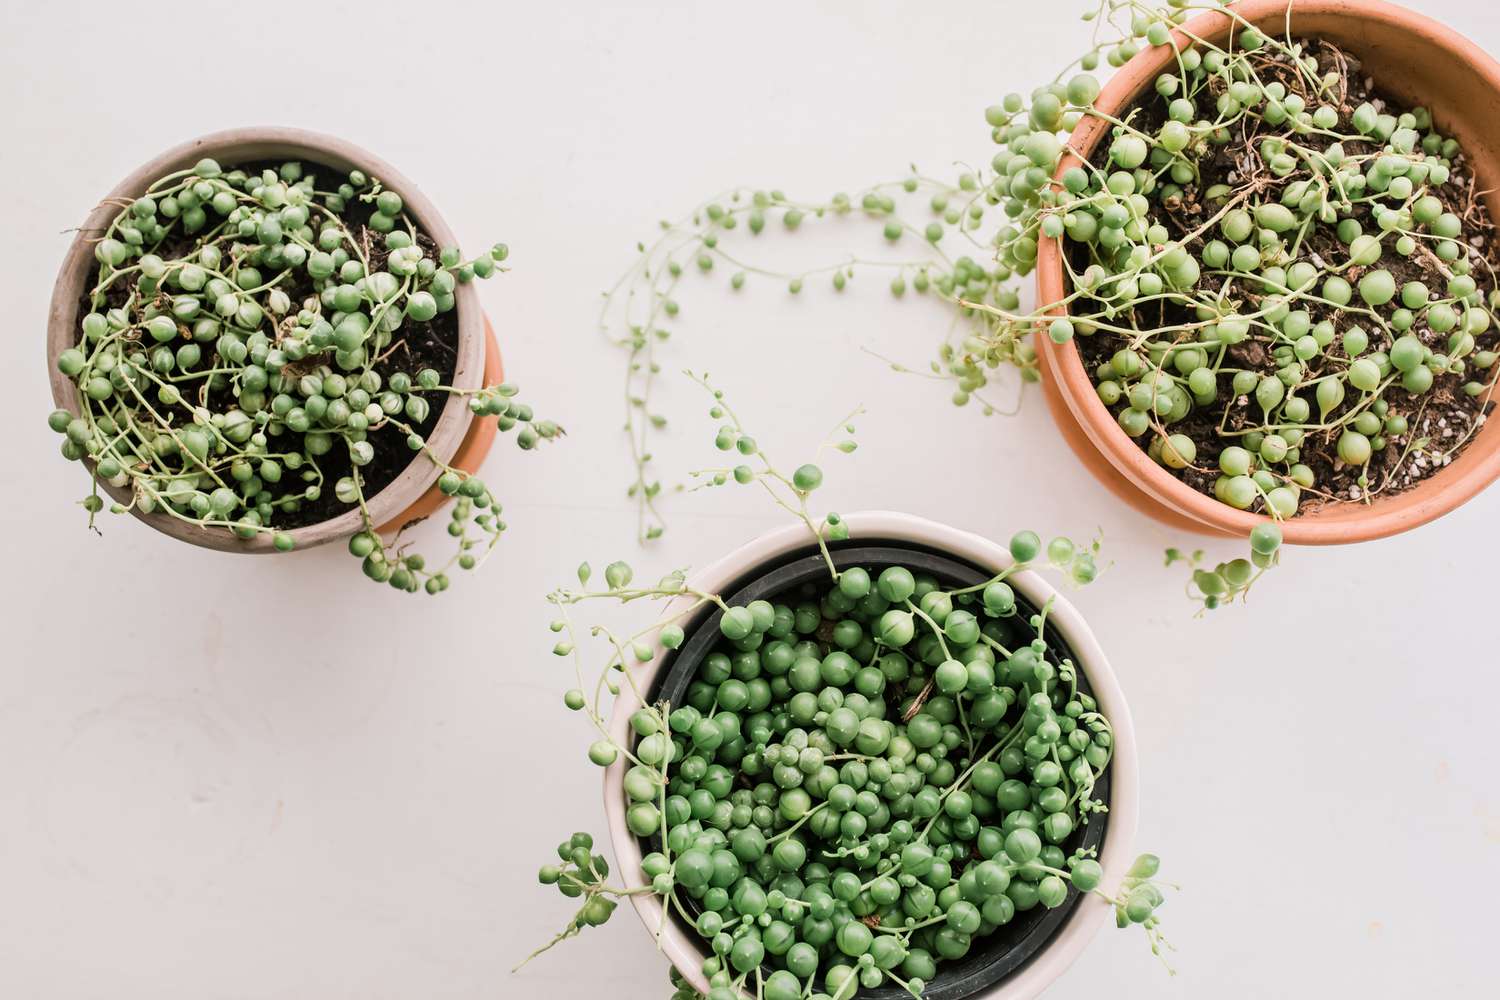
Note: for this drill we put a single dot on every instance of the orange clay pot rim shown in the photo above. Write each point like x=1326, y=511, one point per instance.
x=264, y=142
x=1469, y=473
x=472, y=451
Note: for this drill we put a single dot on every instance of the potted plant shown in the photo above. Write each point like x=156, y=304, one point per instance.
x=1403, y=90
x=868, y=753
x=266, y=339
x=1311, y=216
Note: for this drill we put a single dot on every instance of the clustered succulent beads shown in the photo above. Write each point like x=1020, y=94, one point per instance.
x=1272, y=302
x=231, y=355
x=865, y=780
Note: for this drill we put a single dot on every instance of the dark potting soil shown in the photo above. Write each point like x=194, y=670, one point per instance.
x=433, y=344
x=1441, y=421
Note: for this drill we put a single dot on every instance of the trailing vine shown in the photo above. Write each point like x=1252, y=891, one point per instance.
x=944, y=221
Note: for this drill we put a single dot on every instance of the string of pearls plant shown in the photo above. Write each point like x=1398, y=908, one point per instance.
x=860, y=785
x=1271, y=303
x=1238, y=251
x=1286, y=285
x=239, y=360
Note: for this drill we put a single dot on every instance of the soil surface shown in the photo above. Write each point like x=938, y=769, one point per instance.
x=1441, y=421
x=433, y=344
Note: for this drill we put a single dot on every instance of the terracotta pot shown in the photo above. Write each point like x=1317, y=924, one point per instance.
x=471, y=453
x=393, y=505
x=1074, y=929
x=1416, y=60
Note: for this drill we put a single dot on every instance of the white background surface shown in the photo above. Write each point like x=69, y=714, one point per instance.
x=226, y=777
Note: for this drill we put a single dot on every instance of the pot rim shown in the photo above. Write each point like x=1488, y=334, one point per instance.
x=471, y=452
x=265, y=142
x=894, y=527
x=1469, y=473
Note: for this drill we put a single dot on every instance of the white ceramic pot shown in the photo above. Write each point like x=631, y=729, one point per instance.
x=685, y=950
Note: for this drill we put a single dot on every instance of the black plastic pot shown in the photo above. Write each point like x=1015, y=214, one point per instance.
x=1009, y=948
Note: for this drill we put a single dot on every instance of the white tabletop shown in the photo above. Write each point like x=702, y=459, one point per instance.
x=232, y=777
